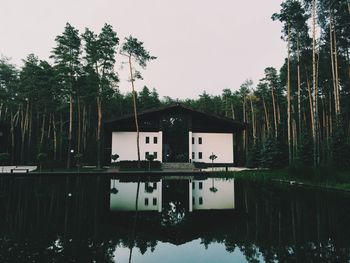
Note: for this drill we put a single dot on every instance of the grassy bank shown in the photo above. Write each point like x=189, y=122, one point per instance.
x=321, y=177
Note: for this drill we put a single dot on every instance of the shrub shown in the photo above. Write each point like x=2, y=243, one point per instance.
x=273, y=154
x=144, y=165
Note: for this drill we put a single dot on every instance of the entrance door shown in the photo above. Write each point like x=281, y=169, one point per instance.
x=175, y=139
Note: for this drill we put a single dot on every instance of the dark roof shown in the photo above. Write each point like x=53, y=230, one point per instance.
x=180, y=108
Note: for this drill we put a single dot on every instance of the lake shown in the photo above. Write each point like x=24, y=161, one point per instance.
x=95, y=218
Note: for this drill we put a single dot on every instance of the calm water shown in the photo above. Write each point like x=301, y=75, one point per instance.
x=103, y=219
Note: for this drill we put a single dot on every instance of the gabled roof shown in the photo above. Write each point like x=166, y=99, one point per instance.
x=180, y=108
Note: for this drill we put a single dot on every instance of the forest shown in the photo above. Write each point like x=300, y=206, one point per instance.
x=297, y=115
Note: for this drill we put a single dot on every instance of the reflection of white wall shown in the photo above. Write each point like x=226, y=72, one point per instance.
x=221, y=144
x=223, y=198
x=125, y=199
x=124, y=144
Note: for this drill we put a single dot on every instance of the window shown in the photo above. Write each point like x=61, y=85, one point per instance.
x=193, y=155
x=200, y=200
x=193, y=185
x=200, y=185
x=200, y=155
x=147, y=139
x=146, y=154
x=154, y=201
x=199, y=140
x=192, y=140
x=155, y=140
x=193, y=201
x=154, y=185
x=155, y=155
x=146, y=201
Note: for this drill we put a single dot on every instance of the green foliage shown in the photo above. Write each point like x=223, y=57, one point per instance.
x=254, y=156
x=273, y=154
x=41, y=157
x=150, y=157
x=4, y=158
x=305, y=150
x=144, y=165
x=132, y=47
x=213, y=157
x=340, y=148
x=114, y=157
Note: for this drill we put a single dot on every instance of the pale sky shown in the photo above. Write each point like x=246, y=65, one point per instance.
x=200, y=44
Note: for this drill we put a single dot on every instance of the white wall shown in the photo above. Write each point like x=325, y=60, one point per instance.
x=221, y=144
x=223, y=198
x=124, y=144
x=125, y=199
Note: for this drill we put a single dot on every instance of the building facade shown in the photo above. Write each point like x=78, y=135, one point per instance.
x=175, y=133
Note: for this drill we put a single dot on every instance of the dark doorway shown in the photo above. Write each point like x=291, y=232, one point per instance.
x=175, y=138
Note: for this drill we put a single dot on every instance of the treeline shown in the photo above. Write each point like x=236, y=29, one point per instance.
x=298, y=115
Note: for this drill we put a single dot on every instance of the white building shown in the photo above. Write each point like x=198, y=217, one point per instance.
x=212, y=194
x=175, y=133
x=123, y=196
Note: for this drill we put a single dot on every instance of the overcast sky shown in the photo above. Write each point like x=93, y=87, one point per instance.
x=200, y=44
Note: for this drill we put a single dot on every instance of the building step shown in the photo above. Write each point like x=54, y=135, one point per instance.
x=178, y=166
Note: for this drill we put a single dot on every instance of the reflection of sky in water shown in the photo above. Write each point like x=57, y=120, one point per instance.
x=192, y=251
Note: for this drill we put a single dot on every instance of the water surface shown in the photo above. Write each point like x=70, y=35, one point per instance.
x=104, y=219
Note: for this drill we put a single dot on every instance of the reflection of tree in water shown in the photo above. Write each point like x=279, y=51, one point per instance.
x=173, y=214
x=281, y=224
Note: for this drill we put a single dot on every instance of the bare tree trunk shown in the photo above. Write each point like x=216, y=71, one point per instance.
x=79, y=122
x=332, y=63
x=288, y=103
x=12, y=131
x=30, y=124
x=54, y=137
x=42, y=131
x=253, y=119
x=314, y=130
x=61, y=138
x=135, y=114
x=274, y=111
x=233, y=111
x=336, y=73
x=70, y=131
x=84, y=128
x=311, y=104
x=267, y=121
x=244, y=131
x=99, y=123
x=299, y=91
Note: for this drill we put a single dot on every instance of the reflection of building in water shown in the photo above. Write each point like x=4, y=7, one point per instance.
x=123, y=196
x=213, y=193
x=209, y=194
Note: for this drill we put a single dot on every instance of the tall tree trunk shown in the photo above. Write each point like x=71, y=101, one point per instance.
x=60, y=153
x=42, y=131
x=274, y=111
x=12, y=131
x=311, y=104
x=79, y=122
x=99, y=123
x=332, y=63
x=70, y=130
x=135, y=114
x=30, y=125
x=244, y=131
x=336, y=73
x=288, y=103
x=267, y=121
x=54, y=137
x=299, y=92
x=314, y=132
x=253, y=119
